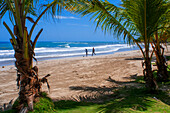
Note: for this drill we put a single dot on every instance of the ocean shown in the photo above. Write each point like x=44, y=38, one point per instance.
x=56, y=50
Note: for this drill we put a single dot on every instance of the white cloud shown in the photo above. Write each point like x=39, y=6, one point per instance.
x=65, y=17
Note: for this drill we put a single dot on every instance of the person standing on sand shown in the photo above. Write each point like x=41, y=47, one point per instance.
x=86, y=52
x=93, y=51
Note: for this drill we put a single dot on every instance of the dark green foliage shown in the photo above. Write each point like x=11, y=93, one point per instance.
x=140, y=79
x=168, y=57
x=133, y=100
x=16, y=103
x=68, y=104
x=10, y=111
x=45, y=104
x=125, y=99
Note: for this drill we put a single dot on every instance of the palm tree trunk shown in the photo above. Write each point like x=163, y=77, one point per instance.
x=27, y=81
x=150, y=85
x=162, y=73
x=149, y=75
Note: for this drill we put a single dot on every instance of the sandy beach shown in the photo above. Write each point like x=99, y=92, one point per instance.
x=80, y=76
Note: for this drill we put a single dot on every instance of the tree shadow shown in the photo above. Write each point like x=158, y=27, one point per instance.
x=120, y=82
x=140, y=58
x=134, y=58
x=101, y=90
x=70, y=104
x=133, y=99
x=132, y=76
x=123, y=98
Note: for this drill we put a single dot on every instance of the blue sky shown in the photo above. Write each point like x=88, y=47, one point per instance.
x=69, y=27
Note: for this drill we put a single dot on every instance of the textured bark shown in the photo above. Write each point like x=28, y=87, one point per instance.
x=29, y=84
x=148, y=73
x=162, y=73
x=28, y=80
x=150, y=83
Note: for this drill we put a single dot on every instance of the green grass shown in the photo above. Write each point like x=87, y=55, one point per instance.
x=124, y=100
x=140, y=79
x=168, y=68
x=45, y=105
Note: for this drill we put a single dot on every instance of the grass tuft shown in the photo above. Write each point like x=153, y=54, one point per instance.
x=140, y=79
x=44, y=105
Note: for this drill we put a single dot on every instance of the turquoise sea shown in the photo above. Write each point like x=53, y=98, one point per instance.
x=55, y=50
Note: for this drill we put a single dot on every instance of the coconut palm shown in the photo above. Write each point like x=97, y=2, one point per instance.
x=135, y=20
x=160, y=39
x=28, y=81
x=162, y=73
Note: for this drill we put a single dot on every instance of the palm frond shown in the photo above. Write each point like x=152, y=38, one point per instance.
x=106, y=15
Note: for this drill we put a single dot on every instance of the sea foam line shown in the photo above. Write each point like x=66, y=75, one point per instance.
x=76, y=54
x=7, y=59
x=42, y=50
x=98, y=51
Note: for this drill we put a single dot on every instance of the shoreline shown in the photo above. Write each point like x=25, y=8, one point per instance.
x=71, y=76
x=10, y=63
x=115, y=54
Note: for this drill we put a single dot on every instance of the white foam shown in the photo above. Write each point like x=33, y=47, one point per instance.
x=6, y=51
x=77, y=54
x=48, y=50
x=67, y=51
x=7, y=59
x=2, y=54
x=41, y=48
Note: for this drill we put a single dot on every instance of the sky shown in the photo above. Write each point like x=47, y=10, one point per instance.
x=70, y=27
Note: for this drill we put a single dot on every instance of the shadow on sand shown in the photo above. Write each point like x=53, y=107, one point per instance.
x=122, y=98
x=134, y=59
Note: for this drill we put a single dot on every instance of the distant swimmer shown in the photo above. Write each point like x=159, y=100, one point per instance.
x=86, y=52
x=93, y=51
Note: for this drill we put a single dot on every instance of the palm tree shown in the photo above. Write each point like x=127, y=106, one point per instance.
x=160, y=39
x=162, y=72
x=28, y=81
x=135, y=20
